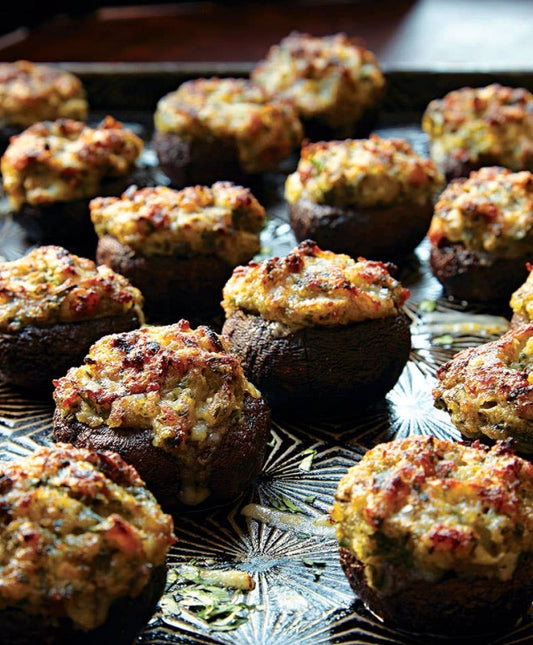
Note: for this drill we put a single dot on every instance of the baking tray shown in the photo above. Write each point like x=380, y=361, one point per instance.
x=277, y=531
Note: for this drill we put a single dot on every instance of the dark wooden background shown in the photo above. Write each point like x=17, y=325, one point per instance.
x=423, y=34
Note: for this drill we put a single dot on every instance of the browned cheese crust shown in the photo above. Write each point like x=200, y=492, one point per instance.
x=173, y=403
x=521, y=302
x=481, y=234
x=437, y=537
x=370, y=197
x=30, y=93
x=83, y=548
x=470, y=128
x=65, y=160
x=316, y=330
x=53, y=306
x=488, y=390
x=335, y=83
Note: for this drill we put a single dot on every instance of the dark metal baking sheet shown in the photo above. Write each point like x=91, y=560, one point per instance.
x=277, y=531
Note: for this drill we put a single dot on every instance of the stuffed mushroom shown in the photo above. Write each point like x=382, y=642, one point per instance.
x=83, y=548
x=212, y=129
x=316, y=330
x=437, y=537
x=488, y=390
x=178, y=247
x=31, y=92
x=336, y=84
x=370, y=197
x=173, y=403
x=52, y=169
x=481, y=234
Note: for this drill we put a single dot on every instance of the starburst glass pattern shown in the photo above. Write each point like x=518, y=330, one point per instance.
x=277, y=534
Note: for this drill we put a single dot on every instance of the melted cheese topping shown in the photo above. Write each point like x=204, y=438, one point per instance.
x=472, y=123
x=436, y=507
x=265, y=131
x=78, y=531
x=64, y=160
x=50, y=285
x=331, y=77
x=366, y=172
x=313, y=287
x=522, y=299
x=488, y=390
x=30, y=93
x=224, y=220
x=490, y=211
x=179, y=382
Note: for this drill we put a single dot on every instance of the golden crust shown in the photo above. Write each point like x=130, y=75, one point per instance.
x=313, y=287
x=473, y=123
x=522, y=300
x=488, y=390
x=30, y=93
x=265, y=131
x=178, y=381
x=65, y=160
x=491, y=210
x=79, y=531
x=436, y=507
x=223, y=220
x=329, y=77
x=51, y=285
x=362, y=172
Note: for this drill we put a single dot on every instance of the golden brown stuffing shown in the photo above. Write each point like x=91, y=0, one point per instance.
x=224, y=220
x=30, y=93
x=265, y=131
x=366, y=172
x=436, y=507
x=64, y=160
x=488, y=390
x=522, y=301
x=79, y=530
x=491, y=210
x=314, y=287
x=329, y=77
x=475, y=123
x=180, y=382
x=50, y=285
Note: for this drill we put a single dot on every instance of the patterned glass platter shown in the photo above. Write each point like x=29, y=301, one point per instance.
x=276, y=538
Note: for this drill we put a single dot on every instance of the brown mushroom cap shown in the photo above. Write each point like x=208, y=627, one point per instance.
x=474, y=275
x=380, y=232
x=321, y=368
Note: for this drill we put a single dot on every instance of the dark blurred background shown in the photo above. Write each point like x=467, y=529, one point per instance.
x=415, y=34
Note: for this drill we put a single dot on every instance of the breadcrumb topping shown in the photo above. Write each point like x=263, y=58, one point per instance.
x=79, y=530
x=50, y=285
x=264, y=130
x=30, y=93
x=488, y=390
x=366, y=172
x=314, y=287
x=494, y=122
x=329, y=77
x=223, y=220
x=64, y=160
x=436, y=507
x=491, y=210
